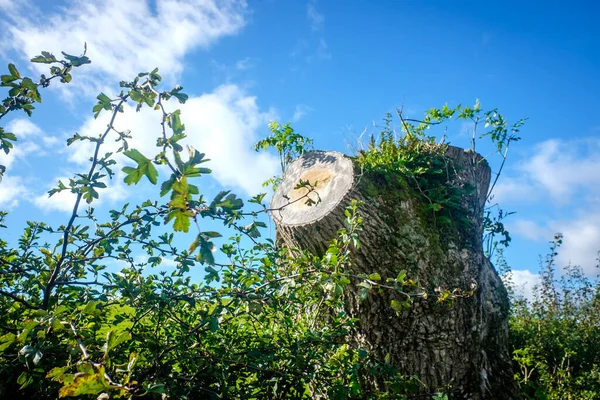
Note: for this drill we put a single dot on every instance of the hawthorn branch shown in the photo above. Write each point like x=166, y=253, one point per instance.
x=58, y=268
x=19, y=299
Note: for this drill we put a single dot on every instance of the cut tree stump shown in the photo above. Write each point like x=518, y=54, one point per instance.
x=464, y=344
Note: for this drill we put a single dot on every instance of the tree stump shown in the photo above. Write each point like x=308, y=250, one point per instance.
x=464, y=344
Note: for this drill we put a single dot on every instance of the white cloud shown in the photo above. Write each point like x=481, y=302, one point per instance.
x=124, y=37
x=530, y=230
x=223, y=124
x=318, y=48
x=12, y=191
x=581, y=242
x=7, y=5
x=562, y=167
x=581, y=238
x=23, y=128
x=65, y=201
x=62, y=201
x=566, y=172
x=524, y=282
x=26, y=130
x=515, y=190
x=314, y=17
x=300, y=111
x=559, y=169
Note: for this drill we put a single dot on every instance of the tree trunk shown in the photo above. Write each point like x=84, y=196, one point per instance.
x=464, y=344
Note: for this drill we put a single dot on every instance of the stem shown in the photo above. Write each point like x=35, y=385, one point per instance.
x=58, y=268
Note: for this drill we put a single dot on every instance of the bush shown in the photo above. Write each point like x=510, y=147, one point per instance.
x=555, y=338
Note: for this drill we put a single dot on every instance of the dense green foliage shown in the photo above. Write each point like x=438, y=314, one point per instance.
x=81, y=314
x=556, y=337
x=417, y=160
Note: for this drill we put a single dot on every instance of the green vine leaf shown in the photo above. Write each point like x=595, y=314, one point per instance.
x=145, y=167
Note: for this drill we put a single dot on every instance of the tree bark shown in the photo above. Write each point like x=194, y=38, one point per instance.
x=464, y=344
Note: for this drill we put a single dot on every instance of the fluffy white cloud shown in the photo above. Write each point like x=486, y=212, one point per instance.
x=23, y=128
x=64, y=201
x=223, y=124
x=524, y=282
x=123, y=37
x=12, y=191
x=558, y=169
x=27, y=134
x=515, y=190
x=561, y=175
x=563, y=167
x=19, y=152
x=581, y=242
x=581, y=238
x=529, y=229
x=7, y=5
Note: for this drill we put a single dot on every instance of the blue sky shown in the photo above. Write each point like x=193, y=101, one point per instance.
x=333, y=69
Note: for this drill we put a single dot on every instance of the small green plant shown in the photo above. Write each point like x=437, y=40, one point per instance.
x=288, y=144
x=420, y=160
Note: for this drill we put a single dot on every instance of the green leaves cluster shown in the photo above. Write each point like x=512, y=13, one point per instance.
x=419, y=162
x=555, y=336
x=288, y=144
x=24, y=91
x=84, y=311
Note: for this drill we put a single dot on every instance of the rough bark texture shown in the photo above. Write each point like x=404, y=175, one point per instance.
x=465, y=344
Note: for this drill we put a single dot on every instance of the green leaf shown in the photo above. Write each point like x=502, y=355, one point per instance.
x=145, y=167
x=102, y=98
x=104, y=103
x=228, y=202
x=258, y=199
x=205, y=253
x=6, y=79
x=57, y=372
x=213, y=324
x=6, y=341
x=25, y=379
x=375, y=277
x=175, y=123
x=113, y=340
x=396, y=306
x=401, y=277
x=252, y=229
x=91, y=308
x=45, y=58
x=76, y=61
x=85, y=384
x=5, y=140
x=28, y=84
x=13, y=71
x=182, y=220
x=155, y=388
